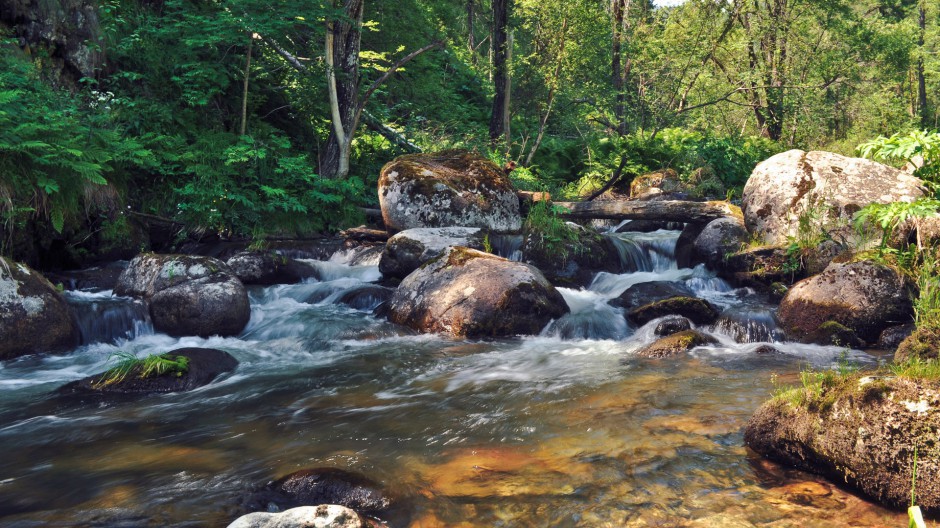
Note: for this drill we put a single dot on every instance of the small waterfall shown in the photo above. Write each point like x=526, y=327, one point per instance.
x=752, y=324
x=103, y=318
x=591, y=317
x=507, y=246
x=654, y=251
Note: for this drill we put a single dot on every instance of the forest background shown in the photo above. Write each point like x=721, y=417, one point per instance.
x=261, y=119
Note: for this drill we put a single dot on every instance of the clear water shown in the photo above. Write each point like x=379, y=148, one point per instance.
x=562, y=429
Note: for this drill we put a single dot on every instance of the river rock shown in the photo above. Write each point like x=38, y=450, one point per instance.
x=649, y=292
x=205, y=365
x=672, y=325
x=312, y=487
x=575, y=261
x=447, y=189
x=863, y=296
x=699, y=311
x=795, y=183
x=717, y=240
x=34, y=316
x=409, y=249
x=267, y=268
x=675, y=344
x=858, y=431
x=468, y=293
x=323, y=516
x=188, y=295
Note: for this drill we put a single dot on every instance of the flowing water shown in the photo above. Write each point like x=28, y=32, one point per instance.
x=563, y=429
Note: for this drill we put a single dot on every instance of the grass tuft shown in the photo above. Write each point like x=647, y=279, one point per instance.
x=151, y=366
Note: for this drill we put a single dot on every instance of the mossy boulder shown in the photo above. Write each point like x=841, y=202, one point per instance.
x=675, y=344
x=326, y=485
x=860, y=431
x=468, y=293
x=923, y=343
x=864, y=296
x=575, y=262
x=666, y=181
x=34, y=316
x=793, y=184
x=699, y=311
x=409, y=249
x=447, y=189
x=187, y=295
x=203, y=365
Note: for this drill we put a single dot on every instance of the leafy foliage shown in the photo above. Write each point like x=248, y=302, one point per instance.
x=906, y=148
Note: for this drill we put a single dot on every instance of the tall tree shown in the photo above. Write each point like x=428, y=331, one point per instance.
x=499, y=119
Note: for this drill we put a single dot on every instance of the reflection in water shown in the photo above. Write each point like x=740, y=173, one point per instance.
x=553, y=430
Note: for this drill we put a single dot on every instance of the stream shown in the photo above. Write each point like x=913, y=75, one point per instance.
x=567, y=428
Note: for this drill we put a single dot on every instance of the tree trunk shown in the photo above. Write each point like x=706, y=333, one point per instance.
x=244, y=125
x=551, y=92
x=471, y=37
x=921, y=80
x=343, y=42
x=500, y=47
x=665, y=211
x=617, y=15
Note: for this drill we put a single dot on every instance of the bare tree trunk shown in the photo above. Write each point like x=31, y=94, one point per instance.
x=343, y=40
x=244, y=125
x=500, y=47
x=921, y=80
x=618, y=15
x=471, y=37
x=551, y=93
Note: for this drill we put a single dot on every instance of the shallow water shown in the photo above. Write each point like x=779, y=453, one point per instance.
x=562, y=429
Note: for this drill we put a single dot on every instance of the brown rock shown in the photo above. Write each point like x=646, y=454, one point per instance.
x=676, y=344
x=699, y=311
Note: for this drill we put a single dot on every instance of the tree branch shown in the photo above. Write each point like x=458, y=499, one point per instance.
x=391, y=71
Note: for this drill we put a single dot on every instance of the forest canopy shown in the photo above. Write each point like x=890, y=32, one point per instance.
x=243, y=118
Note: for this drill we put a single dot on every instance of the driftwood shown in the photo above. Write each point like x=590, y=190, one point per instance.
x=364, y=234
x=665, y=211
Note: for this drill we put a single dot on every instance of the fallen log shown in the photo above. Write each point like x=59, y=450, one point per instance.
x=665, y=211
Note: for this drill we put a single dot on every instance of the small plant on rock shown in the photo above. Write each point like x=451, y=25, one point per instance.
x=151, y=366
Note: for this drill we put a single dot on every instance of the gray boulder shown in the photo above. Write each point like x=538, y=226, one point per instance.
x=447, y=189
x=864, y=297
x=267, y=268
x=34, y=316
x=409, y=249
x=468, y=293
x=188, y=295
x=795, y=183
x=720, y=238
x=323, y=516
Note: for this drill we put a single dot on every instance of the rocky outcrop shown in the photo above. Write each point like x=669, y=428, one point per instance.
x=312, y=487
x=267, y=268
x=34, y=316
x=860, y=431
x=447, y=189
x=828, y=186
x=323, y=516
x=68, y=30
x=203, y=365
x=187, y=295
x=409, y=249
x=468, y=293
x=675, y=344
x=864, y=297
x=699, y=311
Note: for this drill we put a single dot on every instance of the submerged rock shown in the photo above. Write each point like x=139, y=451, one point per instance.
x=267, y=268
x=699, y=311
x=203, y=366
x=323, y=516
x=366, y=297
x=833, y=187
x=409, y=249
x=312, y=487
x=676, y=344
x=34, y=317
x=188, y=295
x=864, y=297
x=859, y=431
x=447, y=189
x=468, y=293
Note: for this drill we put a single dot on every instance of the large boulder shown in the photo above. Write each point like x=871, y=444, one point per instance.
x=860, y=431
x=409, y=249
x=468, y=293
x=447, y=189
x=863, y=296
x=797, y=184
x=267, y=268
x=188, y=295
x=202, y=366
x=34, y=316
x=322, y=516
